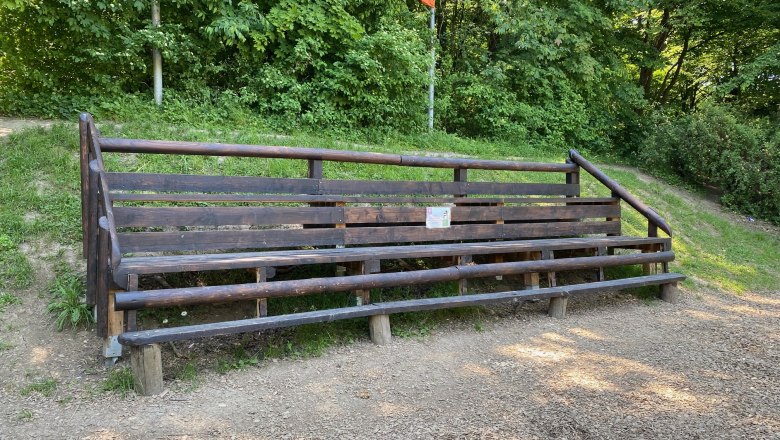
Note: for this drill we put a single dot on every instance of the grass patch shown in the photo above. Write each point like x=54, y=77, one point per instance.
x=68, y=304
x=240, y=360
x=119, y=381
x=24, y=415
x=45, y=387
x=8, y=299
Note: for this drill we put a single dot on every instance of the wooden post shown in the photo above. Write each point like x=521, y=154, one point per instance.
x=131, y=321
x=363, y=296
x=115, y=325
x=558, y=307
x=670, y=293
x=379, y=328
x=531, y=280
x=146, y=363
x=552, y=280
x=261, y=276
x=573, y=178
x=601, y=251
x=615, y=219
x=463, y=284
x=498, y=258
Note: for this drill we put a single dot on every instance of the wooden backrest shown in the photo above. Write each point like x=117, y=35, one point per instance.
x=156, y=212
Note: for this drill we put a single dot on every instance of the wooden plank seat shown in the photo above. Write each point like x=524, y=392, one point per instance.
x=248, y=260
x=534, y=221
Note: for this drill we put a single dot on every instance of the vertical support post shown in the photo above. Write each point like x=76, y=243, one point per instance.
x=650, y=268
x=601, y=251
x=432, y=69
x=670, y=293
x=85, y=196
x=156, y=57
x=379, y=329
x=363, y=296
x=463, y=284
x=146, y=363
x=615, y=219
x=115, y=325
x=131, y=321
x=261, y=276
x=462, y=175
x=102, y=282
x=573, y=178
x=558, y=307
x=498, y=258
x=531, y=280
x=315, y=169
x=552, y=280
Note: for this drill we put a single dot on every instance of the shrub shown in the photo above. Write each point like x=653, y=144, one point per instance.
x=714, y=147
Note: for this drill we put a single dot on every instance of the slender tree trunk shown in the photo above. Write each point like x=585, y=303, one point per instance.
x=658, y=46
x=680, y=60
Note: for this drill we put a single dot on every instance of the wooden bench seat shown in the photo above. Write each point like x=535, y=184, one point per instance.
x=248, y=260
x=521, y=219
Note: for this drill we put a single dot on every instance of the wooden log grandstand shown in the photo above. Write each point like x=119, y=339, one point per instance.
x=534, y=224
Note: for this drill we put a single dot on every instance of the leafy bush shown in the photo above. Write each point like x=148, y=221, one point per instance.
x=713, y=147
x=67, y=303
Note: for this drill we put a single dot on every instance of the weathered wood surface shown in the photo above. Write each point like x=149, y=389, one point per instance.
x=243, y=184
x=216, y=149
x=313, y=198
x=222, y=216
x=146, y=364
x=276, y=238
x=239, y=292
x=386, y=308
x=246, y=260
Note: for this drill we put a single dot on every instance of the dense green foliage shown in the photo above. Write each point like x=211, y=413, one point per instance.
x=591, y=75
x=714, y=147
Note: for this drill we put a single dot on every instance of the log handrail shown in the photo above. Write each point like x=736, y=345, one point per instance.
x=107, y=221
x=119, y=145
x=652, y=217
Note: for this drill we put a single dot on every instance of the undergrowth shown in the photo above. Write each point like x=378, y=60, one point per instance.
x=67, y=303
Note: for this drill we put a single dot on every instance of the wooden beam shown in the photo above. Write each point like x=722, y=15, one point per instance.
x=387, y=308
x=239, y=292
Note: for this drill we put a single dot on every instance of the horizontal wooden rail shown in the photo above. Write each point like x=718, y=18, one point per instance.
x=239, y=292
x=618, y=190
x=246, y=260
x=118, y=145
x=386, y=308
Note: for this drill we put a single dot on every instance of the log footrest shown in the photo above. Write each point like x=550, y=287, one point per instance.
x=146, y=337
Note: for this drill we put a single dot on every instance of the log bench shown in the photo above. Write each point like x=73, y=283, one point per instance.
x=535, y=225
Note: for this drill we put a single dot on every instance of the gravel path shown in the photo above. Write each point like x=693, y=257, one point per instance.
x=615, y=368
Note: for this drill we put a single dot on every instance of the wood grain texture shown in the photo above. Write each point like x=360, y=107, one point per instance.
x=271, y=322
x=246, y=260
x=240, y=292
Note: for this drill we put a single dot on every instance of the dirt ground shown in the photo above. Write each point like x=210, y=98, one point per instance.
x=617, y=367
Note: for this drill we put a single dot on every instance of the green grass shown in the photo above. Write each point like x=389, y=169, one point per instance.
x=5, y=346
x=40, y=203
x=67, y=302
x=8, y=299
x=119, y=381
x=24, y=415
x=45, y=387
